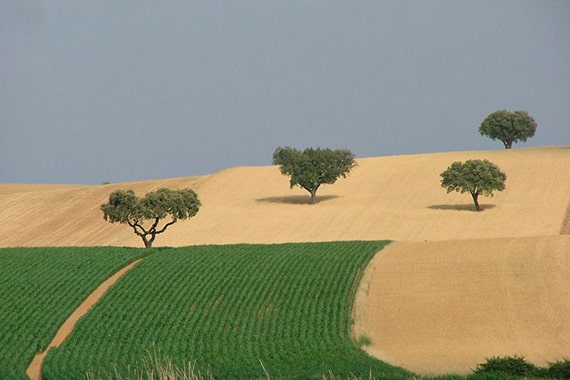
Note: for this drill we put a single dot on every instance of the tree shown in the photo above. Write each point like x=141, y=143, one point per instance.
x=508, y=127
x=126, y=207
x=312, y=167
x=478, y=177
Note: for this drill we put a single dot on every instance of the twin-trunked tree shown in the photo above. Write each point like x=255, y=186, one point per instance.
x=125, y=207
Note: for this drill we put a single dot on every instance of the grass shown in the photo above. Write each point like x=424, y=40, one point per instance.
x=39, y=289
x=496, y=368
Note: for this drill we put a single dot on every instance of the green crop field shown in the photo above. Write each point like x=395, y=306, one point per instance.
x=40, y=288
x=233, y=311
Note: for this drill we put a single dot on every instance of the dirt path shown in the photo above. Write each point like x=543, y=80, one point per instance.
x=35, y=369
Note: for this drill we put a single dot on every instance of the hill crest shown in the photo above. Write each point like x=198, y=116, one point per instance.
x=392, y=197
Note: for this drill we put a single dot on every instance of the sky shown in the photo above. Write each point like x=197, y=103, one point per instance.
x=113, y=91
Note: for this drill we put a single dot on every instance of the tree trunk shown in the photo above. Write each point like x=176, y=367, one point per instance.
x=313, y=196
x=475, y=200
x=147, y=243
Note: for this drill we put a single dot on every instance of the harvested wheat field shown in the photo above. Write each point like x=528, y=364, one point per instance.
x=456, y=287
x=440, y=307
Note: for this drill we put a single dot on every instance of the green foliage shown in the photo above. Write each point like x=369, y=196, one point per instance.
x=508, y=127
x=364, y=340
x=477, y=177
x=125, y=207
x=493, y=376
x=227, y=309
x=516, y=367
x=312, y=167
x=558, y=370
x=40, y=288
x=508, y=365
x=11, y=367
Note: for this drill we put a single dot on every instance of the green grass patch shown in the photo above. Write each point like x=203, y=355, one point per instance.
x=364, y=340
x=40, y=288
x=233, y=311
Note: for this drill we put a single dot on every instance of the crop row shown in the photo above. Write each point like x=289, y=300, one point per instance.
x=226, y=309
x=39, y=289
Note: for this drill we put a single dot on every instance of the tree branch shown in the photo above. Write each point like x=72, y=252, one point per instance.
x=136, y=227
x=152, y=229
x=166, y=226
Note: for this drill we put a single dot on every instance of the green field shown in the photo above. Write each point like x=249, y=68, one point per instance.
x=234, y=311
x=227, y=309
x=40, y=288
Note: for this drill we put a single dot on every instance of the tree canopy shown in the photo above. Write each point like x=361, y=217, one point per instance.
x=125, y=207
x=312, y=167
x=478, y=177
x=508, y=127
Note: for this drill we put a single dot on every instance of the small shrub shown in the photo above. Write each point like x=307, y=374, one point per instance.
x=364, y=340
x=508, y=365
x=492, y=376
x=558, y=370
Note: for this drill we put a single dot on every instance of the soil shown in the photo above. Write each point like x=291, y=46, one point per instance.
x=441, y=307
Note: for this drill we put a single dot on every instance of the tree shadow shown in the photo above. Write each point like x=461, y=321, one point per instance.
x=465, y=207
x=296, y=199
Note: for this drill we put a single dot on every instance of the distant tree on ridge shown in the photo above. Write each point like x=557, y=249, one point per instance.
x=508, y=127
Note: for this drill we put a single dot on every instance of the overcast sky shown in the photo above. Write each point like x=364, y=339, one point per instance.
x=97, y=91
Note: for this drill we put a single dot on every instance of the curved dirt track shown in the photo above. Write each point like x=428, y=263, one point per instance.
x=35, y=369
x=458, y=285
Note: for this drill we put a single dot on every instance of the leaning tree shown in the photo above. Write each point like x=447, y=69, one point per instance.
x=125, y=207
x=508, y=127
x=477, y=177
x=312, y=167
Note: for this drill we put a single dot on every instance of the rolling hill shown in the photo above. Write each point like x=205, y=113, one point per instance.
x=456, y=287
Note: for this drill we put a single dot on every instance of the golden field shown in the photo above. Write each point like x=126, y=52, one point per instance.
x=457, y=285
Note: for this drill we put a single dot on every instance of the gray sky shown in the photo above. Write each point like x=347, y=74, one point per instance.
x=101, y=90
